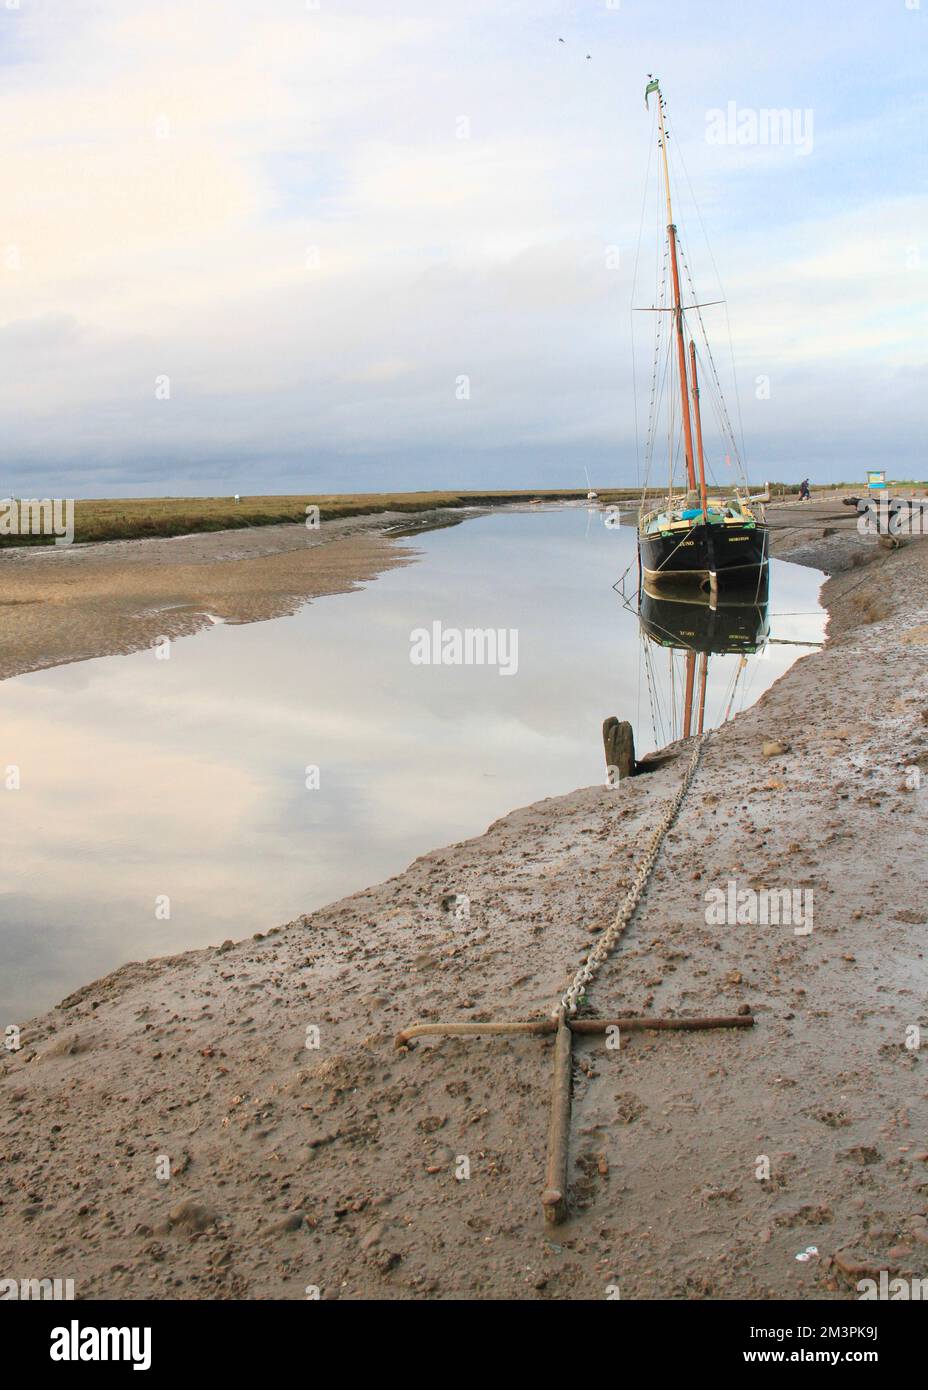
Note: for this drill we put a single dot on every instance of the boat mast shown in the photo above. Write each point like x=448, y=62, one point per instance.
x=677, y=307
x=688, y=693
x=698, y=417
x=703, y=673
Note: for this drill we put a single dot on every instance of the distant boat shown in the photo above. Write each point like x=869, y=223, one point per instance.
x=691, y=537
x=591, y=495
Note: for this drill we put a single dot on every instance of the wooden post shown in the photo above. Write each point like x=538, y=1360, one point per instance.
x=619, y=745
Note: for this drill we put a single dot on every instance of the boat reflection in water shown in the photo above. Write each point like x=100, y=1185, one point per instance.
x=693, y=627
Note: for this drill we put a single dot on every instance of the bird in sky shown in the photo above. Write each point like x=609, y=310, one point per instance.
x=588, y=56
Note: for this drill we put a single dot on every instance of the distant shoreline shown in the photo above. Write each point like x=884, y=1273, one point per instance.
x=112, y=519
x=115, y=519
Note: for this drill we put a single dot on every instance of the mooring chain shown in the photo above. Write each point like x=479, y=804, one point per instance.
x=606, y=943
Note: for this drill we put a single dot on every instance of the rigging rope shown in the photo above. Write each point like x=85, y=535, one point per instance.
x=658, y=378
x=677, y=154
x=718, y=400
x=644, y=200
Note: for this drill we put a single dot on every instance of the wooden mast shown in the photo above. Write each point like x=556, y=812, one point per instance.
x=703, y=673
x=677, y=307
x=688, y=693
x=698, y=418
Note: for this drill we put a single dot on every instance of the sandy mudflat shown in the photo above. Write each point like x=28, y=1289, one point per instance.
x=75, y=602
x=336, y=1166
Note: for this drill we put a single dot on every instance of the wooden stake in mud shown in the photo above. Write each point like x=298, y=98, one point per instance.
x=554, y=1196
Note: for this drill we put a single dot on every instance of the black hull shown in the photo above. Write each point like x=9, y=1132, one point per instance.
x=701, y=626
x=735, y=555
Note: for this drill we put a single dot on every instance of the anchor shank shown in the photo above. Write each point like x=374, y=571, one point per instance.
x=642, y=1025
x=553, y=1199
x=473, y=1030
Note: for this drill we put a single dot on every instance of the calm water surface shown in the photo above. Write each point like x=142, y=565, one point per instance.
x=187, y=777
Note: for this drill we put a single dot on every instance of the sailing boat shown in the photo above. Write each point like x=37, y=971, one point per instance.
x=692, y=538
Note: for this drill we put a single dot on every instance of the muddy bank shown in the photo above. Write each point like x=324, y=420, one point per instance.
x=74, y=602
x=342, y=1166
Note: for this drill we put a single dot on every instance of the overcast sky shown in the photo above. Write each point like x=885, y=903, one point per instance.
x=314, y=220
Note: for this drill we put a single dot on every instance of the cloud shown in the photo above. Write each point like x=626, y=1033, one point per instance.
x=314, y=222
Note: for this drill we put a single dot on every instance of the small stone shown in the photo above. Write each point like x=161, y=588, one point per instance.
x=191, y=1217
x=293, y=1221
x=430, y=1123
x=856, y=1269
x=374, y=1235
x=863, y=1154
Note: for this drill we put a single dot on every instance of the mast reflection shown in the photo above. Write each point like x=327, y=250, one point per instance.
x=698, y=626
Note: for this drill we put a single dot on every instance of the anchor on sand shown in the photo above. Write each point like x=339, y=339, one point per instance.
x=564, y=1025
x=554, y=1196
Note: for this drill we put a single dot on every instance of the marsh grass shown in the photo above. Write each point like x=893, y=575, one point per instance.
x=108, y=519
